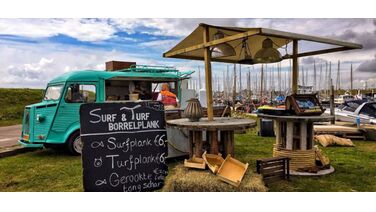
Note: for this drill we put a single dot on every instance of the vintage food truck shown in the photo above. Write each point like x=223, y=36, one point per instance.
x=54, y=122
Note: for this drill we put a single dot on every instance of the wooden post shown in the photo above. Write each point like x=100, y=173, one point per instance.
x=231, y=142
x=289, y=135
x=198, y=143
x=295, y=68
x=227, y=138
x=213, y=136
x=191, y=140
x=208, y=75
x=303, y=135
x=278, y=132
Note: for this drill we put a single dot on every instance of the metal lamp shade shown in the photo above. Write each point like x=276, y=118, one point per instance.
x=223, y=49
x=267, y=54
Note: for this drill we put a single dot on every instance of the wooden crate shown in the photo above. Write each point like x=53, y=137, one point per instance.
x=232, y=171
x=194, y=162
x=118, y=65
x=214, y=162
x=273, y=169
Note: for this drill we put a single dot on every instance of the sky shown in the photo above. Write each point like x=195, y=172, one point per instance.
x=34, y=51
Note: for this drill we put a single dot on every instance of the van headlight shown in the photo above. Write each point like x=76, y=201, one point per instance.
x=40, y=118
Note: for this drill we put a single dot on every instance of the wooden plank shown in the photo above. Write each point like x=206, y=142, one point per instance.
x=273, y=169
x=335, y=128
x=289, y=135
x=277, y=131
x=228, y=142
x=280, y=172
x=190, y=139
x=213, y=136
x=195, y=162
x=198, y=143
x=270, y=165
x=272, y=159
x=273, y=179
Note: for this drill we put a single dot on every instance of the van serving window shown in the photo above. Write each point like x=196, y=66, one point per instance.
x=80, y=93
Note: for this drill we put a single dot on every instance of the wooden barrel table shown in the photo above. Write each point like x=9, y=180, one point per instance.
x=294, y=138
x=219, y=134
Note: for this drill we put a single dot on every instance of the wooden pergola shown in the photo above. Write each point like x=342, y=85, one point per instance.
x=198, y=45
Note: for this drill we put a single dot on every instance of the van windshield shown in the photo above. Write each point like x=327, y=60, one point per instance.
x=53, y=92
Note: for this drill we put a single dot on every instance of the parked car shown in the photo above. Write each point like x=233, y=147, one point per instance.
x=350, y=110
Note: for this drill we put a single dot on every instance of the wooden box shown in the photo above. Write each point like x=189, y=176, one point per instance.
x=304, y=104
x=194, y=162
x=118, y=65
x=214, y=162
x=273, y=169
x=232, y=171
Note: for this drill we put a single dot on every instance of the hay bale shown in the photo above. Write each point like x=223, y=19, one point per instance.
x=331, y=140
x=184, y=179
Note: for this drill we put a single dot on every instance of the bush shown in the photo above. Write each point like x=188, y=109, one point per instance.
x=14, y=100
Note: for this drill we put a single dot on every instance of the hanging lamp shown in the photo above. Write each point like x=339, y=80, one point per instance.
x=223, y=49
x=267, y=54
x=245, y=53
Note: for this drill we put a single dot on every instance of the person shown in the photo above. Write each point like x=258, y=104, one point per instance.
x=142, y=90
x=168, y=98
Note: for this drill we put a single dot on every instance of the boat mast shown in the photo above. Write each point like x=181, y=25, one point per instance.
x=240, y=79
x=351, y=78
x=234, y=86
x=314, y=76
x=338, y=80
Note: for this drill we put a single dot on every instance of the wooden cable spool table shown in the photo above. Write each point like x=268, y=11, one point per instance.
x=220, y=133
x=294, y=138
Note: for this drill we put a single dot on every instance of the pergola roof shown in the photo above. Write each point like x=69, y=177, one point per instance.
x=192, y=47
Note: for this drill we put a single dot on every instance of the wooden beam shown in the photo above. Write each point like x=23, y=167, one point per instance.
x=188, y=57
x=296, y=36
x=323, y=51
x=208, y=75
x=212, y=43
x=295, y=68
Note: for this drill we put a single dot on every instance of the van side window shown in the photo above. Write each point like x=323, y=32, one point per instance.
x=80, y=94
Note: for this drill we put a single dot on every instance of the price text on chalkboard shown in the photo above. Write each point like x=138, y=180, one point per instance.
x=124, y=146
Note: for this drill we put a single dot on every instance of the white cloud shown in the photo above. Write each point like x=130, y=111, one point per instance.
x=33, y=66
x=162, y=45
x=81, y=29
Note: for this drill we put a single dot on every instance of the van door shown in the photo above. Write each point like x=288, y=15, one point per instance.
x=68, y=111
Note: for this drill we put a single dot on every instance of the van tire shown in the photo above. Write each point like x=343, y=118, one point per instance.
x=72, y=146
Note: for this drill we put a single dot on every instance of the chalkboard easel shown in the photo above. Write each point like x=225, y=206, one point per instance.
x=124, y=146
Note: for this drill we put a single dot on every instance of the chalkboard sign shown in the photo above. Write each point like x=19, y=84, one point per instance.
x=124, y=146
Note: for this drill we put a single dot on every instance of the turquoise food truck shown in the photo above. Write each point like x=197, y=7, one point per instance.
x=54, y=122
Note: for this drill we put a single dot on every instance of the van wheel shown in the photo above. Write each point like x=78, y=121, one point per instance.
x=74, y=144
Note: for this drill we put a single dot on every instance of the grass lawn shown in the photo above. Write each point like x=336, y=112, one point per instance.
x=48, y=170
